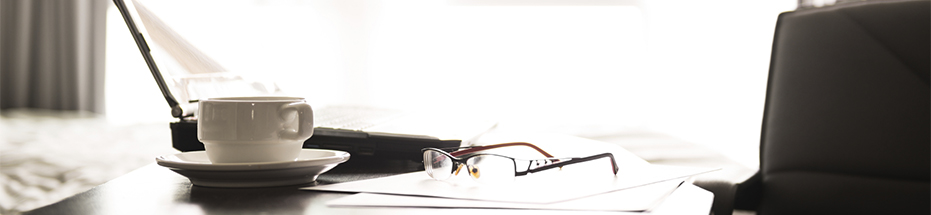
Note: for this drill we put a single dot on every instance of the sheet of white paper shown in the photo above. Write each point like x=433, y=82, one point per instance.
x=634, y=199
x=540, y=188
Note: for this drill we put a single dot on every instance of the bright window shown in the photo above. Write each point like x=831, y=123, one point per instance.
x=691, y=69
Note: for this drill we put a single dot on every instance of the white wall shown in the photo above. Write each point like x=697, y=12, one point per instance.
x=692, y=69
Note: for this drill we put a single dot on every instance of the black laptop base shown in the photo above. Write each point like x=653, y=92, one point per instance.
x=359, y=144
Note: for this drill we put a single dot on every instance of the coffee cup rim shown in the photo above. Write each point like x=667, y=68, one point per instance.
x=254, y=99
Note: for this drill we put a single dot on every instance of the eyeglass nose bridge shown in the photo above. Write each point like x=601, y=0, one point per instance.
x=459, y=168
x=473, y=171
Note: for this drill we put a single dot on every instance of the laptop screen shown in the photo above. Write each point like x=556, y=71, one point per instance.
x=182, y=72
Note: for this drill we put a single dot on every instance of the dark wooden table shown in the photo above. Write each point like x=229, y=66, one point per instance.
x=154, y=189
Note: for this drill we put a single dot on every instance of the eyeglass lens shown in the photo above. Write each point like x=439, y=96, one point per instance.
x=437, y=165
x=482, y=168
x=491, y=168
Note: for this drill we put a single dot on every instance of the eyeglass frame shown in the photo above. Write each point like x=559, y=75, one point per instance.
x=534, y=165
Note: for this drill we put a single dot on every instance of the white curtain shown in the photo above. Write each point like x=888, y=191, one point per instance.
x=52, y=54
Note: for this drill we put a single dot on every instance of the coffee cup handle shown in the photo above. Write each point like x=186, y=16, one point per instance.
x=305, y=116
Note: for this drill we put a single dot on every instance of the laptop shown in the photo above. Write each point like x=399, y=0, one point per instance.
x=364, y=132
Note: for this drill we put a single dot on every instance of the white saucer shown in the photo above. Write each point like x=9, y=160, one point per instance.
x=305, y=169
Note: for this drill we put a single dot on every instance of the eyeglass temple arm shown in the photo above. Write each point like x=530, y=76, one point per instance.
x=482, y=148
x=614, y=167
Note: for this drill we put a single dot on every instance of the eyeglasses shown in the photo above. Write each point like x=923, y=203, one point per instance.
x=493, y=168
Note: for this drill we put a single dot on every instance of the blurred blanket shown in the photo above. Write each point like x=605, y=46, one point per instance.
x=46, y=156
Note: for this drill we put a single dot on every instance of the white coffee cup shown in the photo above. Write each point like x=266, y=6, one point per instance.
x=254, y=129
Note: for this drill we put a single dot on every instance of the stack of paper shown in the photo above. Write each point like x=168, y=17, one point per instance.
x=634, y=189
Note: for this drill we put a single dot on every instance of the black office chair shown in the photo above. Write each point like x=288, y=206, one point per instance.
x=846, y=120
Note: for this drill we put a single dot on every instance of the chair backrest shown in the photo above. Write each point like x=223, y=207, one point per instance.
x=846, y=122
